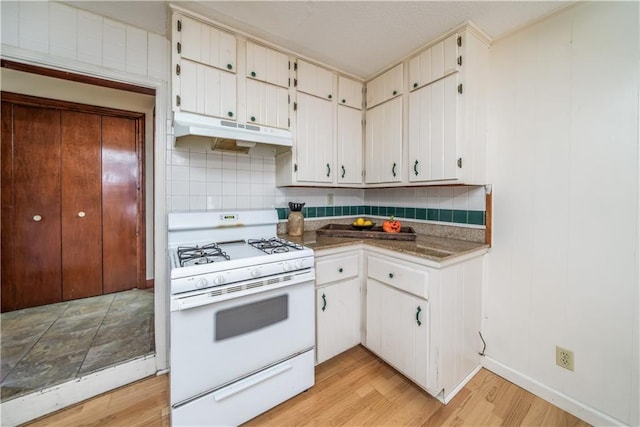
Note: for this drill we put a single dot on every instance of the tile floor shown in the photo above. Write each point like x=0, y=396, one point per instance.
x=52, y=344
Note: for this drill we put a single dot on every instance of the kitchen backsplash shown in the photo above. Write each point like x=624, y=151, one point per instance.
x=201, y=179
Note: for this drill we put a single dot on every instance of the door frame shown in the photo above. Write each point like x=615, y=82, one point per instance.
x=139, y=120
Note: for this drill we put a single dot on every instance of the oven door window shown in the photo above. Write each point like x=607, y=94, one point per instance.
x=250, y=317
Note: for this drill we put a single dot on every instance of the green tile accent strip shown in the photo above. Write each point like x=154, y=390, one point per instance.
x=455, y=216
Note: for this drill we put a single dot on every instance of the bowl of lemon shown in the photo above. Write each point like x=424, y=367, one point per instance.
x=362, y=224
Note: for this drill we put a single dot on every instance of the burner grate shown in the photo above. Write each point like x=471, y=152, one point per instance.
x=274, y=245
x=197, y=255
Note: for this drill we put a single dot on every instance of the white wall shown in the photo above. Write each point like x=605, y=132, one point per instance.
x=563, y=158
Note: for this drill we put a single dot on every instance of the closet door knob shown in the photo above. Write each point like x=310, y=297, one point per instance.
x=37, y=218
x=81, y=214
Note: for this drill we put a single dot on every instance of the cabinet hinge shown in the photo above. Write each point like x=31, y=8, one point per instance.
x=289, y=82
x=178, y=100
x=179, y=47
x=460, y=88
x=295, y=66
x=460, y=60
x=295, y=167
x=177, y=69
x=295, y=82
x=179, y=25
x=295, y=106
x=460, y=162
x=289, y=65
x=459, y=41
x=288, y=123
x=288, y=99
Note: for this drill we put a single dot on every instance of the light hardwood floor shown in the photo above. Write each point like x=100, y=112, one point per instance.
x=355, y=388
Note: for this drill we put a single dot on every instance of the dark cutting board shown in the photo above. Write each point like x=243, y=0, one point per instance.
x=345, y=230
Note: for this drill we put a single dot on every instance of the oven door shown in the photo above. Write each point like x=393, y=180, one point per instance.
x=214, y=342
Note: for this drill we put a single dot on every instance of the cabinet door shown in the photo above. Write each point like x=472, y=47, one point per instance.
x=349, y=145
x=383, y=145
x=207, y=45
x=434, y=63
x=397, y=330
x=315, y=80
x=31, y=174
x=385, y=86
x=82, y=204
x=267, y=65
x=314, y=139
x=207, y=90
x=349, y=92
x=433, y=131
x=337, y=318
x=267, y=104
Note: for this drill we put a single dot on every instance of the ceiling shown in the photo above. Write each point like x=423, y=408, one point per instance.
x=361, y=38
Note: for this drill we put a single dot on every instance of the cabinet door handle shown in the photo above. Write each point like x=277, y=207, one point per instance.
x=418, y=321
x=395, y=92
x=344, y=100
x=82, y=214
x=324, y=302
x=230, y=114
x=253, y=118
x=253, y=74
x=390, y=275
x=329, y=96
x=37, y=218
x=415, y=85
x=343, y=170
x=229, y=67
x=328, y=170
x=340, y=270
x=415, y=168
x=393, y=169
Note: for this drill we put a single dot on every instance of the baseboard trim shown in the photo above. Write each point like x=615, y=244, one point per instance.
x=149, y=283
x=561, y=400
x=35, y=405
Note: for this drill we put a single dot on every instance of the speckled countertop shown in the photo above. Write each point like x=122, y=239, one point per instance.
x=425, y=246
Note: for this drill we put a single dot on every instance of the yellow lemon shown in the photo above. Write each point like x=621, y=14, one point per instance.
x=367, y=222
x=360, y=221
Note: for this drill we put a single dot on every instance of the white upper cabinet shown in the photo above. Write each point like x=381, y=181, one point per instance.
x=386, y=86
x=267, y=65
x=383, y=145
x=433, y=131
x=206, y=90
x=314, y=140
x=204, y=69
x=207, y=45
x=435, y=62
x=267, y=104
x=315, y=80
x=349, y=92
x=349, y=145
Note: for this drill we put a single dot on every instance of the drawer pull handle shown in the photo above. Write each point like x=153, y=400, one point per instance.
x=324, y=302
x=390, y=275
x=340, y=270
x=418, y=311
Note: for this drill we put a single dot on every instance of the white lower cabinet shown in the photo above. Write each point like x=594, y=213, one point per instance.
x=338, y=302
x=397, y=330
x=418, y=315
x=424, y=321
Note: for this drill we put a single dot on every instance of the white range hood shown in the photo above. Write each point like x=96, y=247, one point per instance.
x=245, y=136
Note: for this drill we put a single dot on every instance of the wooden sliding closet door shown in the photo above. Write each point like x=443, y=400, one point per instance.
x=81, y=205
x=120, y=203
x=35, y=235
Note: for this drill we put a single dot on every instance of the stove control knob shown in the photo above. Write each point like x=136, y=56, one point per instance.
x=255, y=272
x=299, y=265
x=202, y=283
x=218, y=280
x=286, y=266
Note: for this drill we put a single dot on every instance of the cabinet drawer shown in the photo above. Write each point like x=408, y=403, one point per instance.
x=333, y=269
x=408, y=279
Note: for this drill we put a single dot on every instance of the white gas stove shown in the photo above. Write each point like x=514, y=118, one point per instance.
x=241, y=298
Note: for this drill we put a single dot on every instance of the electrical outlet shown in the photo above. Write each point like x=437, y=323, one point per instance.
x=329, y=199
x=564, y=358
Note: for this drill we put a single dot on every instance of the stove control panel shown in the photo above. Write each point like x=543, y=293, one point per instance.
x=238, y=274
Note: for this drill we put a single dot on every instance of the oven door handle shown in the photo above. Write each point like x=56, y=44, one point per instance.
x=251, y=381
